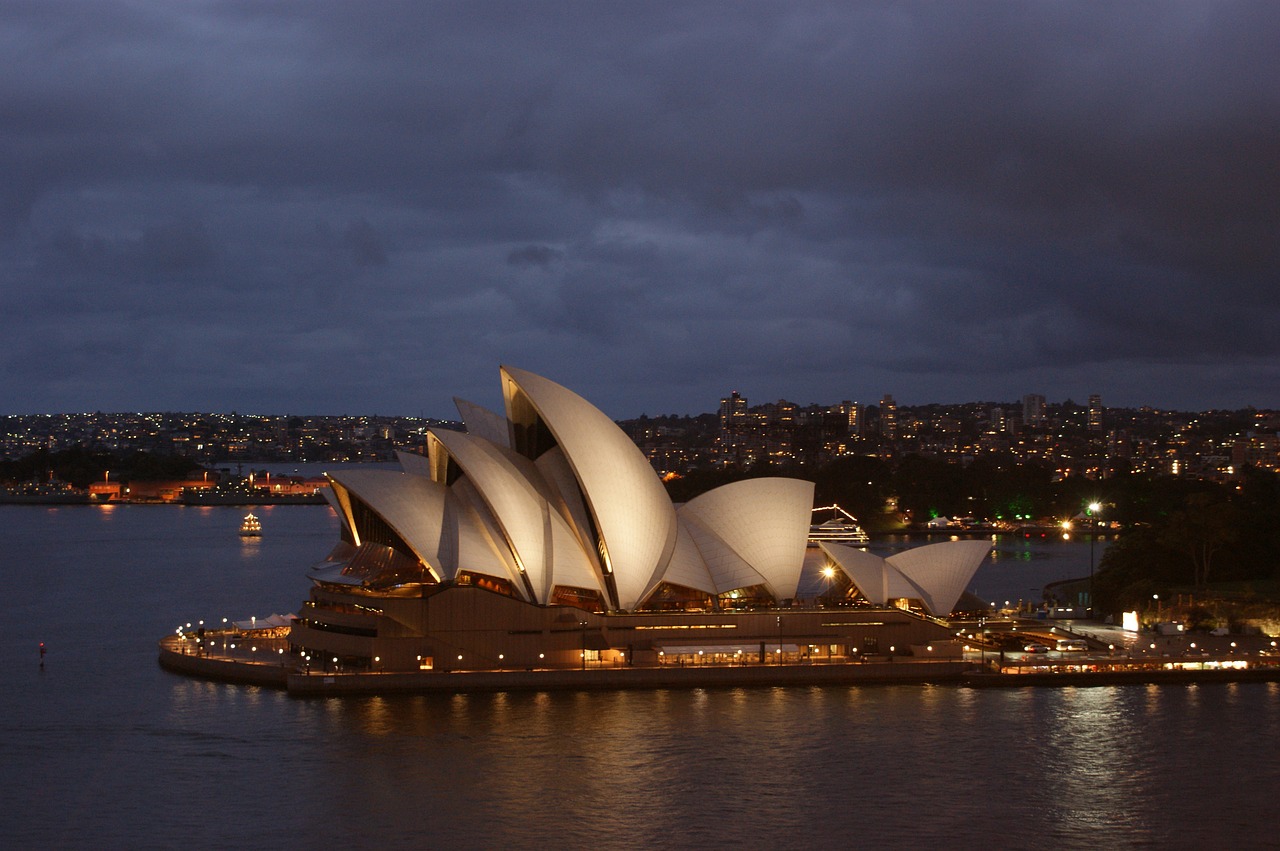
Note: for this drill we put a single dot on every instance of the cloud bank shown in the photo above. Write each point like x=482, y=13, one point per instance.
x=338, y=207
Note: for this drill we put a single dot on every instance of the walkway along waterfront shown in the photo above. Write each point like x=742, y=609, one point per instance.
x=266, y=666
x=272, y=669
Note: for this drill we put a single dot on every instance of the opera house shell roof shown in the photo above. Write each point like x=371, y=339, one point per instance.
x=551, y=502
x=935, y=574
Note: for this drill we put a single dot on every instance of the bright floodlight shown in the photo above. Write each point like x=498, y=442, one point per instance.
x=1095, y=507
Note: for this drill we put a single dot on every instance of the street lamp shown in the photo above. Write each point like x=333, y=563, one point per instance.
x=1093, y=509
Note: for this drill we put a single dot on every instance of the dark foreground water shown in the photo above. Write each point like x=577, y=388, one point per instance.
x=105, y=750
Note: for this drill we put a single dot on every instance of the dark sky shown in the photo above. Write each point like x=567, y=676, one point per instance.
x=340, y=207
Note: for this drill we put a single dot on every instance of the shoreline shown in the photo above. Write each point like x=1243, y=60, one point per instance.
x=318, y=683
x=957, y=673
x=1153, y=676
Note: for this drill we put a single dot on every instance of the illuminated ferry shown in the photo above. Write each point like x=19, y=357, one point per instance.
x=251, y=527
x=841, y=528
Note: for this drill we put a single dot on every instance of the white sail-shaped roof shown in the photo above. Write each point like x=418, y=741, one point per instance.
x=765, y=521
x=331, y=497
x=942, y=570
x=470, y=539
x=898, y=585
x=482, y=422
x=570, y=565
x=513, y=503
x=564, y=493
x=532, y=472
x=877, y=579
x=412, y=462
x=411, y=505
x=866, y=571
x=541, y=541
x=729, y=571
x=633, y=515
x=686, y=567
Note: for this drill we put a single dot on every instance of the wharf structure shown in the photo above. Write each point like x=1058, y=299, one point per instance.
x=541, y=540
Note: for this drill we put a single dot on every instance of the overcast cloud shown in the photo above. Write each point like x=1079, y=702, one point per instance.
x=366, y=207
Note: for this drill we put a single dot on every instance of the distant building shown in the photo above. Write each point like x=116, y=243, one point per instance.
x=852, y=414
x=1258, y=450
x=888, y=418
x=1033, y=409
x=734, y=444
x=733, y=412
x=1095, y=414
x=996, y=418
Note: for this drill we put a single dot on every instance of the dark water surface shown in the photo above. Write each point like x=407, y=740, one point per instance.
x=105, y=750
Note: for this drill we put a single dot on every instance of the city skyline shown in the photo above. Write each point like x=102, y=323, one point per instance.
x=1077, y=440
x=328, y=207
x=710, y=407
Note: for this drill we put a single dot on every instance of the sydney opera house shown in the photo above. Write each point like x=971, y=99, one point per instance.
x=541, y=537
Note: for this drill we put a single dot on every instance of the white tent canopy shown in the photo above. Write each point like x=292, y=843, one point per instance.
x=270, y=622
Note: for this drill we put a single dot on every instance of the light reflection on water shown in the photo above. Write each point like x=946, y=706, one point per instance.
x=105, y=750
x=866, y=766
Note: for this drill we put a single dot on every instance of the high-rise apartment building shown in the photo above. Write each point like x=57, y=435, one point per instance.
x=1033, y=411
x=1095, y=414
x=852, y=412
x=733, y=412
x=888, y=418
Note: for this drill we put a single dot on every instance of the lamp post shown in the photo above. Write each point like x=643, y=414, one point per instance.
x=828, y=574
x=1093, y=509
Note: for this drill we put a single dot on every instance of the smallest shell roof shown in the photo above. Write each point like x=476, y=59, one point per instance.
x=935, y=573
x=941, y=570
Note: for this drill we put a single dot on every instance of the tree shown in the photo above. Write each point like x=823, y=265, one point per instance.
x=1201, y=530
x=858, y=484
x=1137, y=565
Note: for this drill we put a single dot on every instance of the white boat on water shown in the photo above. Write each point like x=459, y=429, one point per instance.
x=251, y=527
x=841, y=528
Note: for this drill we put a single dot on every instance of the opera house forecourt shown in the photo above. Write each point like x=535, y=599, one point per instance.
x=540, y=548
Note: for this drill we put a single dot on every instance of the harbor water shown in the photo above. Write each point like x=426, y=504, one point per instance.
x=103, y=749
